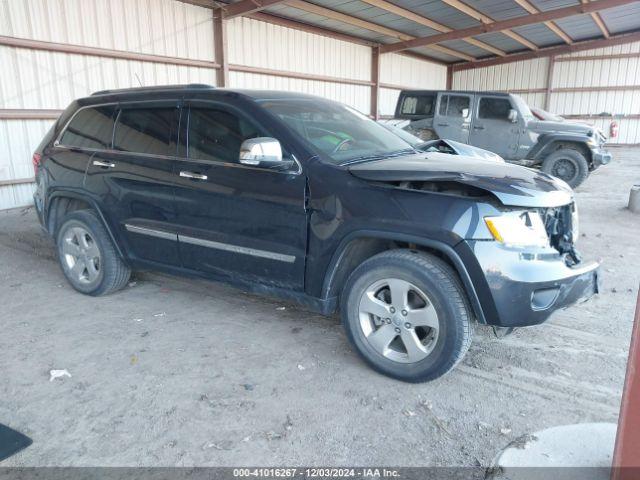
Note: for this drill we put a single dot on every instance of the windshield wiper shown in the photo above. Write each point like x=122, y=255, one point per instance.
x=380, y=156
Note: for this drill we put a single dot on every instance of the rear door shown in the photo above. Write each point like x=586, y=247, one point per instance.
x=453, y=117
x=492, y=129
x=237, y=220
x=133, y=179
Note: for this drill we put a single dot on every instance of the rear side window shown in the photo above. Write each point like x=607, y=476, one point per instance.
x=456, y=106
x=494, y=108
x=90, y=128
x=217, y=134
x=419, y=105
x=148, y=130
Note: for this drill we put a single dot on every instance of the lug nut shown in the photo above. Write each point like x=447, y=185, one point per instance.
x=397, y=330
x=388, y=320
x=407, y=325
x=393, y=310
x=404, y=313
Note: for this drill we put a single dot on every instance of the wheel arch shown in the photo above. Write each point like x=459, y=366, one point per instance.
x=359, y=246
x=549, y=143
x=61, y=202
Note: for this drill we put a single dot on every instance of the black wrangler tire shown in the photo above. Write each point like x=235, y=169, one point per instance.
x=567, y=164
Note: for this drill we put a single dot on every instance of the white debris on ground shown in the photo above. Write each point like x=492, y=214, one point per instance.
x=58, y=374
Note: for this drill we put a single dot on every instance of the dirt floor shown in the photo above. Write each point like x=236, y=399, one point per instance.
x=174, y=371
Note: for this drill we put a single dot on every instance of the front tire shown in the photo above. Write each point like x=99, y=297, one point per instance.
x=406, y=314
x=567, y=164
x=87, y=256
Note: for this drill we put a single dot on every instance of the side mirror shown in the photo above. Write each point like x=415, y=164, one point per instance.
x=263, y=152
x=513, y=115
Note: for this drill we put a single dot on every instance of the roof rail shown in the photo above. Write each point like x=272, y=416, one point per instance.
x=155, y=88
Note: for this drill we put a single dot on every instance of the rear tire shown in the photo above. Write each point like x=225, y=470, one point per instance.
x=567, y=164
x=415, y=336
x=87, y=256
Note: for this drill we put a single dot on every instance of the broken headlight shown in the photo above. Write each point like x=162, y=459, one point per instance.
x=518, y=229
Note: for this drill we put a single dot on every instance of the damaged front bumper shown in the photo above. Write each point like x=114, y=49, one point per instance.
x=525, y=288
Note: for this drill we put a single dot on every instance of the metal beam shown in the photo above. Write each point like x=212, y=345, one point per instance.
x=555, y=14
x=102, y=52
x=552, y=51
x=298, y=75
x=550, y=25
x=547, y=93
x=427, y=22
x=597, y=19
x=220, y=47
x=29, y=114
x=245, y=7
x=374, y=27
x=375, y=79
x=305, y=27
x=481, y=17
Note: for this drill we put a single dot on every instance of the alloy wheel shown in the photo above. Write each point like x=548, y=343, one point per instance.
x=398, y=320
x=81, y=255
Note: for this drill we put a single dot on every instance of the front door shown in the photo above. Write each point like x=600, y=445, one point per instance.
x=453, y=117
x=492, y=129
x=133, y=179
x=236, y=220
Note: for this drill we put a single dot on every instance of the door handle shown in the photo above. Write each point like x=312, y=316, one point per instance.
x=478, y=127
x=197, y=176
x=98, y=163
x=443, y=124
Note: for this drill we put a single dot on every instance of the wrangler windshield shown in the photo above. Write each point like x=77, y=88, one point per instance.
x=340, y=132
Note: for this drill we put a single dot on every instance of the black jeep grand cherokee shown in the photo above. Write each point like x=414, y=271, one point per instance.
x=304, y=198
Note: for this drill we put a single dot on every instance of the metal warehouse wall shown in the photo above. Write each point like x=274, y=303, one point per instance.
x=174, y=43
x=406, y=72
x=596, y=86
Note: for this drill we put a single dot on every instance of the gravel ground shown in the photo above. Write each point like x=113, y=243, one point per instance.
x=180, y=372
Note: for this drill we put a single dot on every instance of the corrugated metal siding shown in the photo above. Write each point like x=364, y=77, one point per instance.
x=159, y=27
x=283, y=48
x=357, y=96
x=526, y=75
x=411, y=72
x=18, y=140
x=407, y=72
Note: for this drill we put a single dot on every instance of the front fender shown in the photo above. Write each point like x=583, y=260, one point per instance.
x=331, y=284
x=546, y=141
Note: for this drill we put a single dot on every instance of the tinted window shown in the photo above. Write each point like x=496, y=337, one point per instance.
x=494, y=108
x=422, y=105
x=340, y=132
x=217, y=134
x=454, y=106
x=147, y=130
x=90, y=128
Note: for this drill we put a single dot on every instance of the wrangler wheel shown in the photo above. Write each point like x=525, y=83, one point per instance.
x=567, y=164
x=407, y=315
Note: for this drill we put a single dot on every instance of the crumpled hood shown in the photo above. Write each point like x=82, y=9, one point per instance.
x=512, y=184
x=547, y=126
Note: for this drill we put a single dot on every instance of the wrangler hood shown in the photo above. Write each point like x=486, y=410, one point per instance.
x=513, y=185
x=546, y=126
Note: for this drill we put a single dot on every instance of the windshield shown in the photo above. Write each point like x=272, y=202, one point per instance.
x=524, y=109
x=340, y=132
